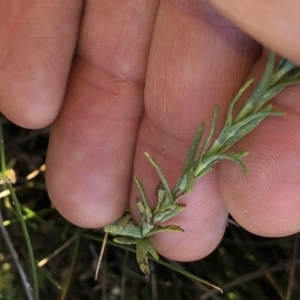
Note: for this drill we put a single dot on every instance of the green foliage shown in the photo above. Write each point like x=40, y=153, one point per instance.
x=201, y=159
x=245, y=266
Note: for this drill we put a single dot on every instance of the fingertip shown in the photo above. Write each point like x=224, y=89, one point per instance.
x=203, y=222
x=266, y=202
x=191, y=244
x=89, y=200
x=31, y=114
x=273, y=23
x=37, y=47
x=32, y=89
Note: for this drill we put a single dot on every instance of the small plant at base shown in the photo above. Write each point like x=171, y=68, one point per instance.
x=200, y=160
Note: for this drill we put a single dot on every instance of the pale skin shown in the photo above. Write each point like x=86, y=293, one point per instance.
x=144, y=75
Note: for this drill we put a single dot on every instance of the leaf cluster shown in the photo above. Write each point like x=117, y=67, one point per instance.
x=201, y=158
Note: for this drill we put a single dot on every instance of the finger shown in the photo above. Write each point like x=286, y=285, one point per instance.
x=197, y=59
x=275, y=24
x=91, y=148
x=267, y=200
x=37, y=40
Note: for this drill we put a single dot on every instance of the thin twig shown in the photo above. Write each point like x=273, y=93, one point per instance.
x=198, y=284
x=275, y=285
x=123, y=277
x=25, y=281
x=101, y=254
x=248, y=277
x=293, y=269
x=67, y=284
x=45, y=260
x=154, y=293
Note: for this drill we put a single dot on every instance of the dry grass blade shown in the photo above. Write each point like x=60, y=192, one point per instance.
x=101, y=254
x=293, y=268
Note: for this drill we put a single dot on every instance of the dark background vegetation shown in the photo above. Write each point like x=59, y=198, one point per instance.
x=245, y=266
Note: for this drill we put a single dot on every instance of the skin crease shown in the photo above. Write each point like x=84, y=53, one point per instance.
x=143, y=77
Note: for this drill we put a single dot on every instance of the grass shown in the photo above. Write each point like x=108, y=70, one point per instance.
x=63, y=258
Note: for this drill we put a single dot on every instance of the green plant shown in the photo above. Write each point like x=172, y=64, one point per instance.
x=201, y=159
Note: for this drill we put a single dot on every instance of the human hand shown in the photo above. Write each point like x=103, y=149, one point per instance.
x=196, y=59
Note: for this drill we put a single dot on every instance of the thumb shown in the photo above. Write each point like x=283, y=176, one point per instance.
x=275, y=24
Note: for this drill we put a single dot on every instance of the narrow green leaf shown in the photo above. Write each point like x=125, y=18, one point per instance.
x=198, y=162
x=184, y=183
x=284, y=67
x=169, y=195
x=193, y=149
x=168, y=212
x=235, y=157
x=152, y=251
x=229, y=120
x=209, y=161
x=7, y=183
x=275, y=90
x=146, y=227
x=161, y=194
x=211, y=132
x=70, y=276
x=141, y=256
x=187, y=274
x=26, y=237
x=245, y=126
x=128, y=230
x=146, y=208
x=259, y=91
x=125, y=240
x=140, y=206
x=168, y=228
x=202, y=170
x=126, y=219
